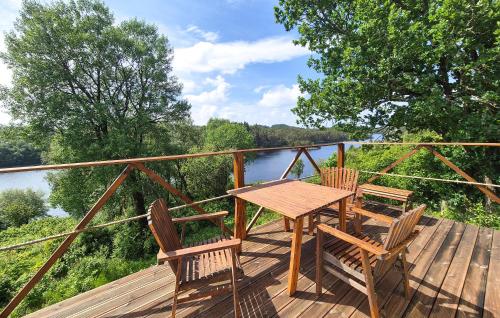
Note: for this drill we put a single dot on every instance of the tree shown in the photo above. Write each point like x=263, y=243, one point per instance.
x=209, y=176
x=90, y=89
x=298, y=168
x=400, y=65
x=18, y=207
x=15, y=149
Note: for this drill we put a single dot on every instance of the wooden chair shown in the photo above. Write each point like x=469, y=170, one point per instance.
x=340, y=178
x=360, y=260
x=198, y=265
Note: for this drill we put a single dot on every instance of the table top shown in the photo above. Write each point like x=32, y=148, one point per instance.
x=372, y=188
x=291, y=198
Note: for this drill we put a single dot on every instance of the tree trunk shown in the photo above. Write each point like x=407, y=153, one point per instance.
x=140, y=206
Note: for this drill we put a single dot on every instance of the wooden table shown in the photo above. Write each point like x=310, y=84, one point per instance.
x=295, y=200
x=389, y=193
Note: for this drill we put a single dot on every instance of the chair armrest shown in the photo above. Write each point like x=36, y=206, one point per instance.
x=377, y=250
x=199, y=249
x=206, y=216
x=376, y=216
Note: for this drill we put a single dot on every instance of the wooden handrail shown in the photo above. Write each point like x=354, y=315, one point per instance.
x=218, y=153
x=152, y=159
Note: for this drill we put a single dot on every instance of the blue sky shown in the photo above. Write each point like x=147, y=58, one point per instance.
x=235, y=62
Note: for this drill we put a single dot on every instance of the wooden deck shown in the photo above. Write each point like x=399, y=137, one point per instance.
x=454, y=272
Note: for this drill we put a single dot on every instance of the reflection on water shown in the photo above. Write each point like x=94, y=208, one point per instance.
x=267, y=166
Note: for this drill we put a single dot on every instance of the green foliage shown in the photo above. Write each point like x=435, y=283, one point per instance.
x=473, y=213
x=88, y=264
x=209, y=176
x=18, y=207
x=284, y=135
x=400, y=65
x=15, y=150
x=461, y=201
x=91, y=89
x=298, y=168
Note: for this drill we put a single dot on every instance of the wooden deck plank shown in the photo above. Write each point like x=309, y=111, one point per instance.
x=394, y=279
x=370, y=227
x=318, y=307
x=270, y=259
x=397, y=303
x=454, y=270
x=447, y=300
x=354, y=299
x=492, y=297
x=103, y=293
x=473, y=293
x=422, y=301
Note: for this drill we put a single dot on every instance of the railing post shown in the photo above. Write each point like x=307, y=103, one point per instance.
x=239, y=204
x=340, y=155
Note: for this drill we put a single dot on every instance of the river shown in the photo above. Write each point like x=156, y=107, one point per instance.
x=266, y=166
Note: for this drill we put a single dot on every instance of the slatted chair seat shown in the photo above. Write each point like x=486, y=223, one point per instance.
x=349, y=254
x=200, y=264
x=361, y=260
x=206, y=268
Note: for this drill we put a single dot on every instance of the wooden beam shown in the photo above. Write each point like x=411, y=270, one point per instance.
x=66, y=243
x=395, y=163
x=239, y=204
x=340, y=155
x=254, y=219
x=167, y=186
x=450, y=164
x=292, y=163
x=308, y=155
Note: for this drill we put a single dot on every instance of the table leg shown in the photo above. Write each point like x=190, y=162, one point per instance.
x=286, y=224
x=342, y=215
x=296, y=249
x=239, y=220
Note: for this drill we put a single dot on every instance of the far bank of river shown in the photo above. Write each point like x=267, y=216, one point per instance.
x=267, y=166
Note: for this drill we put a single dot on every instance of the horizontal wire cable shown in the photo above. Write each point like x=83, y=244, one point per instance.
x=431, y=179
x=90, y=228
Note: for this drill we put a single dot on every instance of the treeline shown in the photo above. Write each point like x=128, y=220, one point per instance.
x=284, y=135
x=15, y=150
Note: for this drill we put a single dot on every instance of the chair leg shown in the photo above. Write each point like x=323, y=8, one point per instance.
x=357, y=223
x=237, y=312
x=177, y=285
x=370, y=286
x=319, y=262
x=406, y=275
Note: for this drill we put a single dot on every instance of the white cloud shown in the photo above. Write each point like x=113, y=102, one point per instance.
x=229, y=57
x=206, y=35
x=216, y=95
x=205, y=104
x=273, y=105
x=280, y=97
x=5, y=72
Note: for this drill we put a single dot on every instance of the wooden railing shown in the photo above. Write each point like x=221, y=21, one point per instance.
x=240, y=230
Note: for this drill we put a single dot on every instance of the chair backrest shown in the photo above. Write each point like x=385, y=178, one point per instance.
x=163, y=228
x=340, y=178
x=403, y=226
